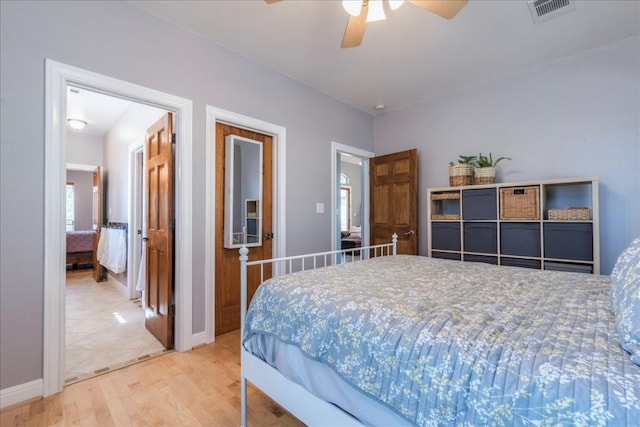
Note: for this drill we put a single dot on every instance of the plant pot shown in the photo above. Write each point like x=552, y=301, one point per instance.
x=460, y=175
x=485, y=175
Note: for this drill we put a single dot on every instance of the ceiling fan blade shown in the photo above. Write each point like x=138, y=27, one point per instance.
x=444, y=8
x=356, y=25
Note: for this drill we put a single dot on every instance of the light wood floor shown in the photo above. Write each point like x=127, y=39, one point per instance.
x=200, y=387
x=104, y=328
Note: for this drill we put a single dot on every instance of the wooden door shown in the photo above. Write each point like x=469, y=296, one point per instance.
x=99, y=272
x=393, y=182
x=159, y=316
x=227, y=263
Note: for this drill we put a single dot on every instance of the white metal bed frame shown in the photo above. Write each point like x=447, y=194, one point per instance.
x=294, y=398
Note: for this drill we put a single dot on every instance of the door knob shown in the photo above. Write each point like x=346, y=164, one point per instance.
x=410, y=233
x=268, y=236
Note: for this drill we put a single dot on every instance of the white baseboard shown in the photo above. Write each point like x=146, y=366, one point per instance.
x=198, y=339
x=20, y=393
x=23, y=392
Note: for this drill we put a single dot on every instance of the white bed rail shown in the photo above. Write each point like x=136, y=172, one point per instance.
x=285, y=265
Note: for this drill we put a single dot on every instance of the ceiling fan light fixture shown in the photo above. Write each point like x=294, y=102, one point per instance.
x=353, y=7
x=77, y=123
x=395, y=4
x=376, y=11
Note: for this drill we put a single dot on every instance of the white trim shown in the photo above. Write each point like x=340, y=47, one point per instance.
x=134, y=242
x=80, y=167
x=279, y=134
x=57, y=77
x=199, y=338
x=54, y=242
x=365, y=156
x=20, y=393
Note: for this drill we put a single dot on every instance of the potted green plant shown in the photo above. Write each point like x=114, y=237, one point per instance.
x=485, y=172
x=461, y=173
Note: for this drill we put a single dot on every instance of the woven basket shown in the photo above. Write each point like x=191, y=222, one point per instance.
x=570, y=214
x=520, y=203
x=445, y=217
x=460, y=175
x=446, y=196
x=485, y=175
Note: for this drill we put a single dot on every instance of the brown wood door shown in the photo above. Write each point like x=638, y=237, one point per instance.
x=227, y=276
x=99, y=272
x=393, y=182
x=159, y=316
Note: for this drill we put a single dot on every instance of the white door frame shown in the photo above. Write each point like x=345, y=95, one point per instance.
x=279, y=134
x=335, y=184
x=134, y=212
x=58, y=77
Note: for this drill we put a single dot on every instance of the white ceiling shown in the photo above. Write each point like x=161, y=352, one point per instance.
x=412, y=56
x=100, y=112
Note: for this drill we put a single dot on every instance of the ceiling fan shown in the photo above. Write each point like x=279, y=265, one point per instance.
x=363, y=11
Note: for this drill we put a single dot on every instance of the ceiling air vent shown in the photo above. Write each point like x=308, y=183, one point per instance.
x=543, y=10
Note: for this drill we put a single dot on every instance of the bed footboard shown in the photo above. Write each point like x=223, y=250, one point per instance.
x=80, y=246
x=75, y=258
x=297, y=400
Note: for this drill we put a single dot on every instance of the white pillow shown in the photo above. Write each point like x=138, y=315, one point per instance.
x=625, y=299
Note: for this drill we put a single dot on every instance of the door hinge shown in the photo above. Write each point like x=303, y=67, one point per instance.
x=172, y=224
x=172, y=310
x=173, y=138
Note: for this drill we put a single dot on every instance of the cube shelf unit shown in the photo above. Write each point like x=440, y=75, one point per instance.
x=508, y=224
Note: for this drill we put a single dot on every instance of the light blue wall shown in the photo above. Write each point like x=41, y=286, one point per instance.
x=83, y=195
x=119, y=40
x=572, y=118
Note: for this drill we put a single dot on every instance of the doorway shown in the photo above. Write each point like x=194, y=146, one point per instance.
x=212, y=234
x=394, y=200
x=349, y=164
x=105, y=318
x=58, y=77
x=244, y=211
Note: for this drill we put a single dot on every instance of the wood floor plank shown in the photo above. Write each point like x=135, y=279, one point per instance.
x=114, y=402
x=200, y=387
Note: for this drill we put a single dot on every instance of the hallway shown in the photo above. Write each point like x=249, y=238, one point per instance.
x=104, y=329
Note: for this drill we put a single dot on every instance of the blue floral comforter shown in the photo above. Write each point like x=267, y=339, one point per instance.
x=450, y=343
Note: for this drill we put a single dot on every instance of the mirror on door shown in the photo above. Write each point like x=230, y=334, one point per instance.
x=242, y=192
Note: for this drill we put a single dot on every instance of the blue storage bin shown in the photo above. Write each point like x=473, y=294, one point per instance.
x=479, y=204
x=520, y=238
x=446, y=255
x=482, y=258
x=568, y=241
x=521, y=262
x=445, y=236
x=481, y=237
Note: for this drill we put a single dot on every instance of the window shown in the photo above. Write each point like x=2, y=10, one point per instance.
x=345, y=208
x=70, y=205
